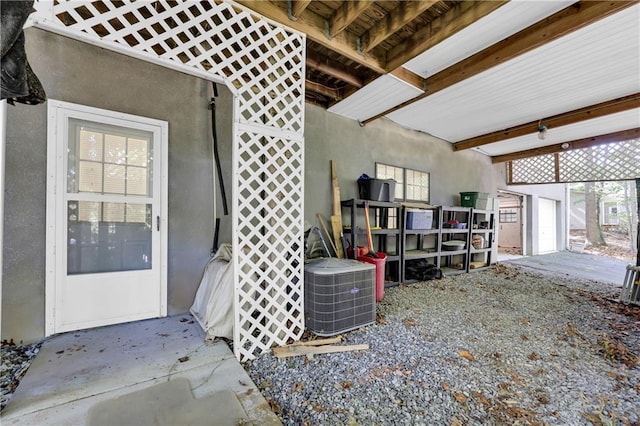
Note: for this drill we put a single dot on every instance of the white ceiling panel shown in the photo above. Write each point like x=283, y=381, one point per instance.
x=598, y=126
x=502, y=23
x=591, y=65
x=383, y=93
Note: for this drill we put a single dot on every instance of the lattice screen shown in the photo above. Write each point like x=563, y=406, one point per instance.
x=614, y=161
x=263, y=65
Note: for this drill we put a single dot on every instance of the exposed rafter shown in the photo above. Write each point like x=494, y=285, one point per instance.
x=299, y=6
x=335, y=94
x=347, y=44
x=623, y=135
x=401, y=16
x=344, y=43
x=587, y=113
x=409, y=77
x=333, y=69
x=346, y=14
x=461, y=16
x=551, y=28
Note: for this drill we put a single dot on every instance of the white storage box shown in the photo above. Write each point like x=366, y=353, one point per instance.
x=419, y=219
x=484, y=203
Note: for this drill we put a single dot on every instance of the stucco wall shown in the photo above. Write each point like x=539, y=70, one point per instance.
x=76, y=72
x=356, y=150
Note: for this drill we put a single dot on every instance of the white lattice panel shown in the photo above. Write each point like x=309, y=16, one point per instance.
x=270, y=242
x=613, y=161
x=540, y=169
x=263, y=65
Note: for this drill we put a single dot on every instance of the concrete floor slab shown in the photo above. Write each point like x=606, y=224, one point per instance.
x=74, y=371
x=582, y=265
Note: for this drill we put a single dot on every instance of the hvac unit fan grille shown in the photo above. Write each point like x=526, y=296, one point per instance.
x=341, y=299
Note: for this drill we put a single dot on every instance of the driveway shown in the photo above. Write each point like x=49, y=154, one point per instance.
x=579, y=265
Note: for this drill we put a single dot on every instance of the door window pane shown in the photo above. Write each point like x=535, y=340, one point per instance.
x=109, y=159
x=108, y=237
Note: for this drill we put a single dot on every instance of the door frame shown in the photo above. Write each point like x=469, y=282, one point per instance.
x=58, y=113
x=523, y=218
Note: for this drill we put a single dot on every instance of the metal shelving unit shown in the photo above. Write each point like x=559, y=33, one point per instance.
x=453, y=262
x=482, y=226
x=385, y=232
x=420, y=243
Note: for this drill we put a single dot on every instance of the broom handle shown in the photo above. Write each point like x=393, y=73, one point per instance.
x=368, y=226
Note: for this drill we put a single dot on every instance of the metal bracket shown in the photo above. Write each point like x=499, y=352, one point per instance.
x=290, y=10
x=327, y=27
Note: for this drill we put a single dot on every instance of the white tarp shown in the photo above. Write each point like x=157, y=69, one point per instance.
x=213, y=304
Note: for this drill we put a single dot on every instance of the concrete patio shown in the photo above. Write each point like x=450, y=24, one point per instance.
x=146, y=373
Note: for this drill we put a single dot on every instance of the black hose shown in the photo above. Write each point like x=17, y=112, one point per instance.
x=216, y=156
x=215, y=237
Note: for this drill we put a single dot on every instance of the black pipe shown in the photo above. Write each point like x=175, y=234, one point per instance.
x=216, y=157
x=215, y=237
x=212, y=106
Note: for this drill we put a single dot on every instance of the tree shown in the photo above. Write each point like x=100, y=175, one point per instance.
x=630, y=201
x=592, y=214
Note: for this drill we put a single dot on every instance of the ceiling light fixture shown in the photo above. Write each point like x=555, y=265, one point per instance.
x=542, y=130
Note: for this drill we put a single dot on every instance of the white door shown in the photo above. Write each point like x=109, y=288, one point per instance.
x=106, y=218
x=546, y=225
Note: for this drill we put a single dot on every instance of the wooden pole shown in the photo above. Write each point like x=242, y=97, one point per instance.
x=336, y=216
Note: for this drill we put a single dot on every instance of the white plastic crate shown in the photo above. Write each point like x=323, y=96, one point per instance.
x=419, y=219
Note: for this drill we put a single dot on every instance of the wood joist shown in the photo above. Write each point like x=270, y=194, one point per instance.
x=620, y=136
x=567, y=20
x=602, y=109
x=370, y=38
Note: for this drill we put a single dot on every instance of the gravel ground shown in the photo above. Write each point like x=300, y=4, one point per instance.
x=16, y=359
x=507, y=345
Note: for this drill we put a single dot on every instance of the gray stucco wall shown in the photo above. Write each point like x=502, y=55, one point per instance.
x=356, y=150
x=76, y=72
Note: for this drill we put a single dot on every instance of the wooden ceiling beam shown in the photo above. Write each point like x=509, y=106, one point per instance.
x=587, y=113
x=569, y=19
x=398, y=18
x=330, y=92
x=313, y=26
x=332, y=68
x=620, y=136
x=298, y=7
x=461, y=16
x=348, y=12
x=409, y=77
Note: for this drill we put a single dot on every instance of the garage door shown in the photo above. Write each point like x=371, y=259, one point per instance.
x=546, y=225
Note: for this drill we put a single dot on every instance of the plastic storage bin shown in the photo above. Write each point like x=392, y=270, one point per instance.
x=468, y=199
x=377, y=189
x=419, y=219
x=379, y=262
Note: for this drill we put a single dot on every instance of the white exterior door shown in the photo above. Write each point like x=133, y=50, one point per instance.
x=546, y=225
x=106, y=218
